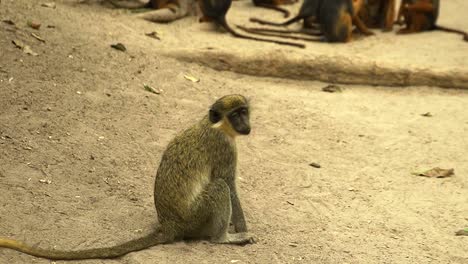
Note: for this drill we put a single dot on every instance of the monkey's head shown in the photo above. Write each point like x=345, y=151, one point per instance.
x=230, y=114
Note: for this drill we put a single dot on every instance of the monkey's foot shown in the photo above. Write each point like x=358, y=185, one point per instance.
x=235, y=239
x=163, y=15
x=368, y=33
x=387, y=29
x=405, y=31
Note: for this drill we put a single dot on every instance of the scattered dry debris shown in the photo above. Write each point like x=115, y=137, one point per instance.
x=119, y=46
x=38, y=37
x=315, y=165
x=191, y=78
x=34, y=25
x=45, y=181
x=18, y=44
x=290, y=203
x=154, y=35
x=235, y=261
x=25, y=48
x=293, y=244
x=332, y=89
x=49, y=5
x=151, y=89
x=9, y=22
x=29, y=51
x=428, y=114
x=436, y=173
x=462, y=232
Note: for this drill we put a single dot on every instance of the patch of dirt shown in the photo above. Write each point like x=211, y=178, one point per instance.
x=81, y=139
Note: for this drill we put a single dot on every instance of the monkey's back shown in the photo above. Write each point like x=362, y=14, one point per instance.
x=310, y=8
x=214, y=8
x=431, y=16
x=186, y=168
x=335, y=19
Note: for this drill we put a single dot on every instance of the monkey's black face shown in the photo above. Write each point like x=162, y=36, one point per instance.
x=239, y=119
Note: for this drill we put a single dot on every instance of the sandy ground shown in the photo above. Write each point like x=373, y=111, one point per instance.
x=80, y=141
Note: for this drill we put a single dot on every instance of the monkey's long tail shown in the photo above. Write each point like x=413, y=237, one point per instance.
x=452, y=30
x=285, y=23
x=304, y=31
x=98, y=253
x=276, y=33
x=222, y=21
x=277, y=8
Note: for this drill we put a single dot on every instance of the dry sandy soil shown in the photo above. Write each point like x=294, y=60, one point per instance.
x=80, y=141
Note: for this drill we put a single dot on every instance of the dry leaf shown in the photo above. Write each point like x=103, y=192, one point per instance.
x=38, y=37
x=436, y=173
x=315, y=165
x=9, y=22
x=191, y=78
x=18, y=44
x=49, y=5
x=428, y=114
x=119, y=46
x=26, y=49
x=462, y=232
x=46, y=181
x=332, y=89
x=151, y=89
x=29, y=51
x=154, y=35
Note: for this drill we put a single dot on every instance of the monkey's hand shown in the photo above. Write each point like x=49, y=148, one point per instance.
x=399, y=22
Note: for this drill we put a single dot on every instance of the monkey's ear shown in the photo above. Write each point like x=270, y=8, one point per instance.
x=215, y=116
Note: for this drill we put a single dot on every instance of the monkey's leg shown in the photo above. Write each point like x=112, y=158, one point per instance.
x=285, y=2
x=416, y=22
x=389, y=15
x=361, y=26
x=421, y=6
x=401, y=12
x=211, y=215
x=129, y=4
x=310, y=23
x=169, y=13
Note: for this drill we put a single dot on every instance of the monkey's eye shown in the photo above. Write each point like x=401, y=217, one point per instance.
x=235, y=114
x=244, y=111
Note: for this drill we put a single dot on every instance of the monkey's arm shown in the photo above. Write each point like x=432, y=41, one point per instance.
x=237, y=217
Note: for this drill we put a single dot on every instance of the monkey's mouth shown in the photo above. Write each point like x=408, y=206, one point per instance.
x=244, y=131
